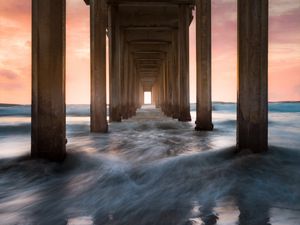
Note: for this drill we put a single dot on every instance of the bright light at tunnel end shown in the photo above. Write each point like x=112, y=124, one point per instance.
x=147, y=97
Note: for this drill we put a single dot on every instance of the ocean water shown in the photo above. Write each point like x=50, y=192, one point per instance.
x=152, y=170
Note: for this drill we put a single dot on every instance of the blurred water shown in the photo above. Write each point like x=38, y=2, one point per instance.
x=152, y=170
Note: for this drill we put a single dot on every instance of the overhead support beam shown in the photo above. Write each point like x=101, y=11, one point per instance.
x=48, y=130
x=252, y=125
x=145, y=42
x=152, y=2
x=203, y=64
x=146, y=2
x=160, y=28
x=183, y=57
x=115, y=76
x=98, y=14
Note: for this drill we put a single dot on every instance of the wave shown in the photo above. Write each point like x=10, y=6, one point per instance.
x=84, y=110
x=213, y=186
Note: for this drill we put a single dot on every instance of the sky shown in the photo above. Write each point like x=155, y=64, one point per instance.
x=284, y=51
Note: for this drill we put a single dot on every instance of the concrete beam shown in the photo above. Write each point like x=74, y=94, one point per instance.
x=145, y=2
x=252, y=125
x=152, y=2
x=48, y=132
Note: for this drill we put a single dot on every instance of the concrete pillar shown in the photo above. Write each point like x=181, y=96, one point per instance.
x=137, y=89
x=169, y=82
x=203, y=57
x=161, y=86
x=125, y=78
x=131, y=85
x=153, y=93
x=175, y=96
x=98, y=66
x=141, y=95
x=252, y=108
x=164, y=91
x=115, y=79
x=48, y=130
x=183, y=57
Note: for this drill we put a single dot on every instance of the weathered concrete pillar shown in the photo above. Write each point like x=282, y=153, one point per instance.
x=98, y=65
x=169, y=82
x=175, y=96
x=158, y=89
x=153, y=94
x=203, y=63
x=252, y=125
x=125, y=78
x=161, y=86
x=115, y=79
x=183, y=57
x=131, y=86
x=48, y=130
x=141, y=95
x=164, y=91
x=137, y=89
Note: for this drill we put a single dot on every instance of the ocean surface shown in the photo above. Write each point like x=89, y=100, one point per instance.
x=152, y=170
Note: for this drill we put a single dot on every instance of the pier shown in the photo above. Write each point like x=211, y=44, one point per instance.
x=148, y=52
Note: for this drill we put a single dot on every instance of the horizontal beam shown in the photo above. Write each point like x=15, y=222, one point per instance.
x=152, y=2
x=167, y=28
x=146, y=2
x=152, y=42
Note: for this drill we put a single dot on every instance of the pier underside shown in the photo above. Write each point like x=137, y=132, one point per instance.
x=148, y=43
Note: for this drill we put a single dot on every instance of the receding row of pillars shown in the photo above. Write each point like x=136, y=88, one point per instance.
x=48, y=74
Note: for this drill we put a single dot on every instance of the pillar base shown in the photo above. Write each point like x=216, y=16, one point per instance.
x=115, y=119
x=175, y=116
x=246, y=151
x=103, y=129
x=125, y=113
x=55, y=157
x=204, y=127
x=185, y=118
x=175, y=112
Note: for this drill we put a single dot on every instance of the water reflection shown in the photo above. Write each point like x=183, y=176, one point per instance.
x=150, y=172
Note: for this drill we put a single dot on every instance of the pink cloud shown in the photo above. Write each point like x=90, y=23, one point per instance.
x=8, y=74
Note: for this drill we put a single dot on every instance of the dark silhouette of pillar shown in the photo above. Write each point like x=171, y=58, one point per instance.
x=136, y=89
x=131, y=86
x=48, y=80
x=125, y=94
x=164, y=91
x=115, y=79
x=98, y=65
x=141, y=95
x=161, y=86
x=183, y=53
x=169, y=83
x=203, y=63
x=175, y=96
x=252, y=125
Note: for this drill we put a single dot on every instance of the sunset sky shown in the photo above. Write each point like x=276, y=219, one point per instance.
x=284, y=51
